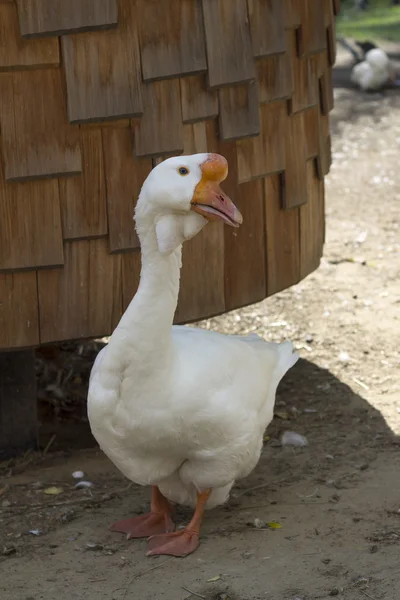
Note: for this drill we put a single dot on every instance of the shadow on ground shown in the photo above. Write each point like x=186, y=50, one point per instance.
x=331, y=504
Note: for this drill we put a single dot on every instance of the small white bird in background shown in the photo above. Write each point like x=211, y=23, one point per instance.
x=375, y=72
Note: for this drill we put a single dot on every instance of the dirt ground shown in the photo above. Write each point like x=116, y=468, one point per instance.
x=337, y=500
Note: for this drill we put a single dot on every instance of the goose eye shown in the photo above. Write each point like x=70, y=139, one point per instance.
x=183, y=171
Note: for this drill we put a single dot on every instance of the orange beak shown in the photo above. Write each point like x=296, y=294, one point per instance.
x=208, y=199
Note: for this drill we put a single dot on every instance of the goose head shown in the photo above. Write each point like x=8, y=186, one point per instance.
x=179, y=197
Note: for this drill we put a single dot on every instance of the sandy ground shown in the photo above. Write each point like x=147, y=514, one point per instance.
x=337, y=500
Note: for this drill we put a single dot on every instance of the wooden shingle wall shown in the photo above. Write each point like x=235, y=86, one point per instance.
x=93, y=93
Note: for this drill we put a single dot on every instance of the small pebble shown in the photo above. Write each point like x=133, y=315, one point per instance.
x=83, y=484
x=94, y=547
x=36, y=532
x=9, y=550
x=259, y=524
x=67, y=515
x=291, y=438
x=78, y=474
x=334, y=592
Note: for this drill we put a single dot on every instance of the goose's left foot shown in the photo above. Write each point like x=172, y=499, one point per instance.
x=181, y=543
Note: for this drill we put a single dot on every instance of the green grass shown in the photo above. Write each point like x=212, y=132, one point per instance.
x=379, y=22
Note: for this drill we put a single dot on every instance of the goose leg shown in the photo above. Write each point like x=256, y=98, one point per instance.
x=158, y=520
x=181, y=543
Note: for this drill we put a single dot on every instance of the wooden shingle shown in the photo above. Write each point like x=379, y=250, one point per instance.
x=202, y=288
x=238, y=111
x=195, y=138
x=52, y=17
x=16, y=53
x=283, y=241
x=36, y=139
x=311, y=129
x=124, y=175
x=311, y=35
x=213, y=141
x=331, y=43
x=171, y=38
x=292, y=13
x=295, y=184
x=104, y=83
x=267, y=27
x=336, y=6
x=312, y=217
x=160, y=130
x=324, y=159
x=326, y=91
x=274, y=78
x=242, y=245
x=198, y=102
x=19, y=311
x=329, y=15
x=305, y=92
x=330, y=26
x=265, y=153
x=26, y=212
x=74, y=302
x=228, y=42
x=83, y=198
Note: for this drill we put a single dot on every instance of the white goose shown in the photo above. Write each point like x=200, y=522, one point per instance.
x=179, y=408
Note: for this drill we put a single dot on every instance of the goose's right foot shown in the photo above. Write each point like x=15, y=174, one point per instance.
x=156, y=522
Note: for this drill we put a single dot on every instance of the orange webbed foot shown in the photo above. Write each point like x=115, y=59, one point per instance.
x=157, y=521
x=145, y=525
x=180, y=543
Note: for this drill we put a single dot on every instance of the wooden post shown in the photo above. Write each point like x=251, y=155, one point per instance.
x=18, y=404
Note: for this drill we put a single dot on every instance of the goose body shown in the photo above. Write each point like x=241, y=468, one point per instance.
x=180, y=408
x=198, y=421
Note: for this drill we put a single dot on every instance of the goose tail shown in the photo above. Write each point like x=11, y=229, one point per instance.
x=287, y=358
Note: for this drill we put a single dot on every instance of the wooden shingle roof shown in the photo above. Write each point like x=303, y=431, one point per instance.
x=93, y=93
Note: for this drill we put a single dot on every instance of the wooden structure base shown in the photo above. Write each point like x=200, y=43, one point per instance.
x=18, y=404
